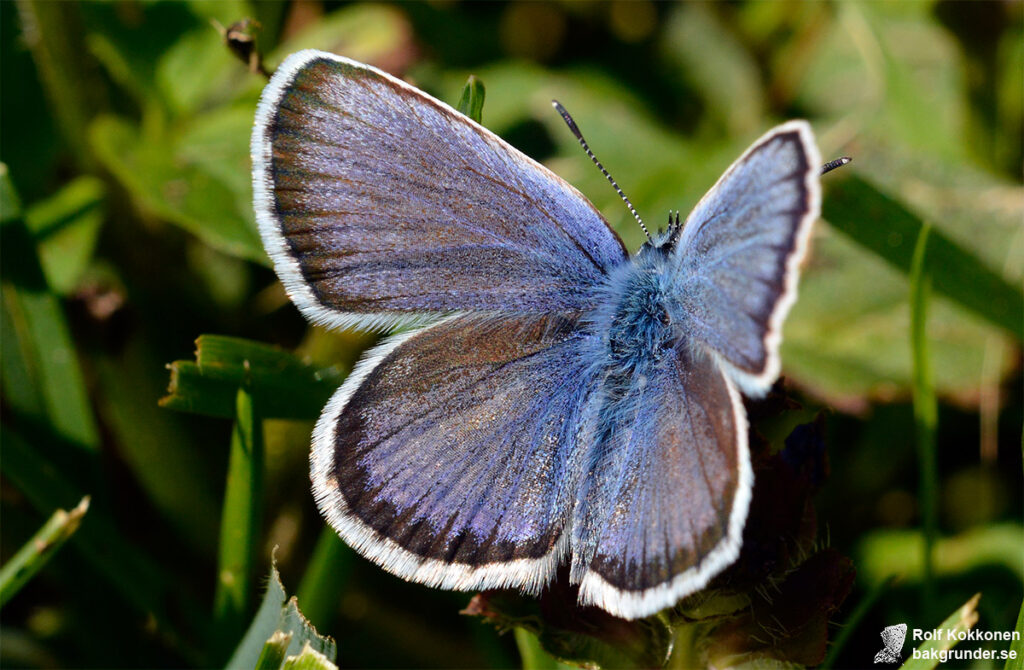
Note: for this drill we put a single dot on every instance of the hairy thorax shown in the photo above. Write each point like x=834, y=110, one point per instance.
x=637, y=318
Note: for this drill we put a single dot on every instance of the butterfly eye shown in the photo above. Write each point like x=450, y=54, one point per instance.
x=664, y=316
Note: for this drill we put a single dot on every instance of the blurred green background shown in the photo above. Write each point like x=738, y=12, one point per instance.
x=128, y=232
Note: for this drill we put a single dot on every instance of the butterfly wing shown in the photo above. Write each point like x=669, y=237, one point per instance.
x=449, y=455
x=668, y=486
x=739, y=254
x=378, y=204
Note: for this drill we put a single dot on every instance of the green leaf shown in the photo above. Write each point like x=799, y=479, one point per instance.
x=44, y=374
x=730, y=83
x=846, y=338
x=873, y=69
x=365, y=32
x=224, y=11
x=66, y=227
x=199, y=69
x=278, y=613
x=135, y=52
x=471, y=103
x=885, y=553
x=31, y=558
x=282, y=385
x=881, y=224
x=878, y=74
x=217, y=142
x=927, y=656
x=168, y=185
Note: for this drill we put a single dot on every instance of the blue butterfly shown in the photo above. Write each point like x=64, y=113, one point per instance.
x=561, y=400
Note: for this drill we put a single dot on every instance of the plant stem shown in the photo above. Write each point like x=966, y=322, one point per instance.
x=240, y=522
x=38, y=551
x=274, y=651
x=1017, y=661
x=925, y=412
x=532, y=654
x=56, y=36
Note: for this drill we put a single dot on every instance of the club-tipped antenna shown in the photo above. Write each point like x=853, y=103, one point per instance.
x=583, y=143
x=837, y=163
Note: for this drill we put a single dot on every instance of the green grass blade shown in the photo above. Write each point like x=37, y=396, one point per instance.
x=17, y=372
x=57, y=40
x=1016, y=661
x=274, y=651
x=132, y=574
x=884, y=226
x=283, y=385
x=45, y=353
x=309, y=659
x=240, y=521
x=263, y=625
x=532, y=654
x=471, y=103
x=66, y=227
x=927, y=656
x=278, y=613
x=37, y=551
x=925, y=411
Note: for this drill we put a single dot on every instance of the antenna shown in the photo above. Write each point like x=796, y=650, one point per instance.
x=583, y=143
x=837, y=163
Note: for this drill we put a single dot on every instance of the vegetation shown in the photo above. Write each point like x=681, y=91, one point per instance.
x=128, y=241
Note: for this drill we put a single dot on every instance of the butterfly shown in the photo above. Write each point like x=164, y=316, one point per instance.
x=551, y=399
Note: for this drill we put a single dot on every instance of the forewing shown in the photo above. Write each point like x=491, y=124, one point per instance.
x=449, y=456
x=739, y=255
x=377, y=204
x=667, y=490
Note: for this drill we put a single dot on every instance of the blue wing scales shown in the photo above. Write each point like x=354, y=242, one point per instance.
x=380, y=205
x=450, y=456
x=738, y=259
x=668, y=486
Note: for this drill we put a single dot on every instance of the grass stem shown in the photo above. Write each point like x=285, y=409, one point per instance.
x=37, y=551
x=925, y=412
x=240, y=523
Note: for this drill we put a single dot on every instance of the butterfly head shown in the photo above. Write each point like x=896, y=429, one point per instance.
x=664, y=241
